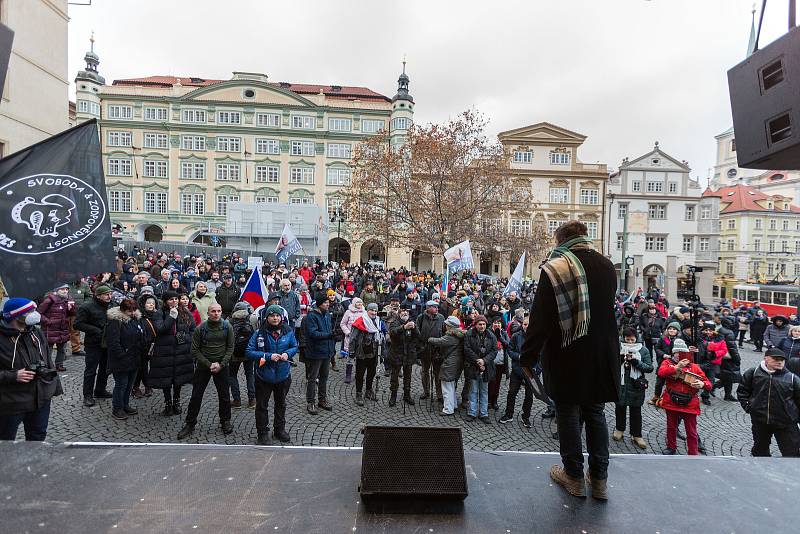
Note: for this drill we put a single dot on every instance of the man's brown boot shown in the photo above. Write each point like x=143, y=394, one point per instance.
x=599, y=488
x=574, y=486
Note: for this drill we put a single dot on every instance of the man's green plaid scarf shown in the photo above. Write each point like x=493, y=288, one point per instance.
x=568, y=278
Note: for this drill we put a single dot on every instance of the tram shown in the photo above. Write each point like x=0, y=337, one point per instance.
x=775, y=299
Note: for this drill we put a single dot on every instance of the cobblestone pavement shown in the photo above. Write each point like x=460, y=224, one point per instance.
x=724, y=427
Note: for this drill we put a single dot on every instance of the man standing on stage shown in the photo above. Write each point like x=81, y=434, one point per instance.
x=573, y=332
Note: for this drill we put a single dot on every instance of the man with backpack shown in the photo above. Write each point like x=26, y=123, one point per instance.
x=212, y=348
x=242, y=331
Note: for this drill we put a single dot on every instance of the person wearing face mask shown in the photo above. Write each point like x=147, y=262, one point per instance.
x=91, y=319
x=771, y=395
x=28, y=375
x=57, y=310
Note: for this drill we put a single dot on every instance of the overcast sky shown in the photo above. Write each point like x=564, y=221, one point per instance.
x=623, y=72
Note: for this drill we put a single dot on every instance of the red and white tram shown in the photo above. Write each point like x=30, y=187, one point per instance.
x=775, y=299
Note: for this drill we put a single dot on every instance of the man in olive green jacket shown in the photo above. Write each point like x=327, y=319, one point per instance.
x=212, y=348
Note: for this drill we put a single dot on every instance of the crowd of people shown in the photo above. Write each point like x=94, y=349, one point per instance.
x=163, y=321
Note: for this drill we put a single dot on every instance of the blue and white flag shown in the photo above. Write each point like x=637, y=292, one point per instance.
x=287, y=245
x=459, y=257
x=516, y=279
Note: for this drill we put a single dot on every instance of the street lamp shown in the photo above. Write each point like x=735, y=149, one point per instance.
x=338, y=217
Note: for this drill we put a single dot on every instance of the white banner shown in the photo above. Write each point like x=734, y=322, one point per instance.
x=287, y=245
x=459, y=257
x=516, y=279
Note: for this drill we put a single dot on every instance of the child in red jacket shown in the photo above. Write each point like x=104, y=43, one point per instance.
x=680, y=395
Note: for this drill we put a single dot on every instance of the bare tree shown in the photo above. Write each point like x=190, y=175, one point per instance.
x=446, y=183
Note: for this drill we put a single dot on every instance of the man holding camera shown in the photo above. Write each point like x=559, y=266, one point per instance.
x=28, y=376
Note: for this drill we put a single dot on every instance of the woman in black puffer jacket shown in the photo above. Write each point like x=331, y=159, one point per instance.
x=172, y=365
x=126, y=347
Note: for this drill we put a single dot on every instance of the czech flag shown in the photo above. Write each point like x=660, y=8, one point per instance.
x=255, y=292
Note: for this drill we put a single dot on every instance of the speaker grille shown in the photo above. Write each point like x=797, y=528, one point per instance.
x=413, y=461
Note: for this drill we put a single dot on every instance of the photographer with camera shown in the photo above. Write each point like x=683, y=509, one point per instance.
x=28, y=376
x=636, y=362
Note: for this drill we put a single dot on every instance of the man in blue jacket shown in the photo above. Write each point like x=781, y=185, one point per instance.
x=272, y=346
x=317, y=330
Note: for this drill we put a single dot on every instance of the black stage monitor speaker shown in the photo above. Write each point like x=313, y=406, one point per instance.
x=765, y=100
x=410, y=466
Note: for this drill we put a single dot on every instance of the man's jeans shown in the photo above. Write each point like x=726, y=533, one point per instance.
x=199, y=383
x=96, y=361
x=123, y=385
x=35, y=424
x=569, y=431
x=478, y=398
x=317, y=379
x=249, y=374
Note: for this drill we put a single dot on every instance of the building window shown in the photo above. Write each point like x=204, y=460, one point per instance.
x=193, y=142
x=756, y=267
x=229, y=144
x=688, y=214
x=797, y=269
x=655, y=187
x=797, y=226
x=372, y=125
x=155, y=168
x=797, y=247
x=263, y=199
x=302, y=148
x=731, y=245
x=620, y=241
x=222, y=203
x=337, y=177
x=705, y=212
x=119, y=167
x=228, y=172
x=770, y=268
x=559, y=195
x=657, y=211
x=622, y=210
x=193, y=203
x=773, y=224
x=758, y=224
x=154, y=114
x=119, y=200
x=757, y=245
x=521, y=227
x=491, y=227
x=655, y=243
x=268, y=173
x=733, y=145
x=119, y=138
x=704, y=244
x=268, y=120
x=784, y=246
x=339, y=150
x=333, y=206
x=155, y=140
x=193, y=115
x=301, y=175
x=552, y=225
x=193, y=170
x=636, y=186
x=401, y=123
x=673, y=187
x=304, y=122
x=559, y=158
x=268, y=146
x=301, y=200
x=229, y=117
x=155, y=202
x=120, y=112
x=589, y=196
x=785, y=224
x=591, y=227
x=340, y=125
x=771, y=246
x=688, y=243
x=731, y=224
x=86, y=106
x=728, y=267
x=523, y=156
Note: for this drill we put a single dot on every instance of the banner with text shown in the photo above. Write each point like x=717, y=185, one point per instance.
x=459, y=257
x=288, y=244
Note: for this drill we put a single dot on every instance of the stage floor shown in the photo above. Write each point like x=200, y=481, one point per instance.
x=88, y=488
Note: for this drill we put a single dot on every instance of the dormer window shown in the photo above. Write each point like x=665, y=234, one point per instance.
x=656, y=161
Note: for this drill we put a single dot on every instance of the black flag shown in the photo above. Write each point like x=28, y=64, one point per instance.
x=54, y=224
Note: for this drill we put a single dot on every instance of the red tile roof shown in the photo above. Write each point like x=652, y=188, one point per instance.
x=332, y=91
x=736, y=198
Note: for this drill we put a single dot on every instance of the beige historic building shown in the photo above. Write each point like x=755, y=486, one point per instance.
x=35, y=95
x=545, y=159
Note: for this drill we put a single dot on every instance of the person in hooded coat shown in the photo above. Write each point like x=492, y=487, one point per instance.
x=778, y=330
x=126, y=348
x=451, y=349
x=636, y=362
